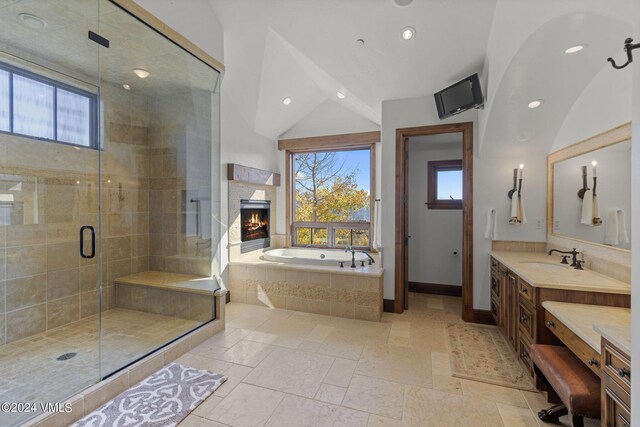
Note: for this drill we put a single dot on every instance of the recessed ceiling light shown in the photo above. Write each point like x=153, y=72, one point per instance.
x=126, y=87
x=287, y=100
x=536, y=103
x=360, y=42
x=340, y=95
x=574, y=49
x=402, y=3
x=32, y=21
x=142, y=73
x=408, y=33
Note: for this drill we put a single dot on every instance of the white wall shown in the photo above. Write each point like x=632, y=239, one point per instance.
x=604, y=104
x=435, y=233
x=492, y=180
x=635, y=249
x=330, y=118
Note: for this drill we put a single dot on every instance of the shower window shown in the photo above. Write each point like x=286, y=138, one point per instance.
x=39, y=107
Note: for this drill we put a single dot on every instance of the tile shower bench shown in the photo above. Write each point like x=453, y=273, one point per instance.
x=169, y=294
x=333, y=291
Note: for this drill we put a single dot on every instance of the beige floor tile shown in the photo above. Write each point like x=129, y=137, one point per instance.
x=447, y=384
x=319, y=333
x=195, y=421
x=238, y=371
x=435, y=304
x=375, y=396
x=297, y=411
x=494, y=393
x=206, y=408
x=378, y=421
x=247, y=405
x=330, y=394
x=399, y=364
x=227, y=387
x=431, y=408
x=206, y=363
x=274, y=339
x=440, y=364
x=515, y=416
x=341, y=372
x=291, y=371
x=341, y=347
x=226, y=340
x=248, y=353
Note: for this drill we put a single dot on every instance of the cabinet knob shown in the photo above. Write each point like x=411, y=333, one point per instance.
x=624, y=372
x=593, y=362
x=523, y=290
x=551, y=324
x=524, y=319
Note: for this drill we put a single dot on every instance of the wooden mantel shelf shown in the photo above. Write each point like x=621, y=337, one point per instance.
x=252, y=175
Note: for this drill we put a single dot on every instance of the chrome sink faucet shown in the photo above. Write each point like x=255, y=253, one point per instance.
x=574, y=253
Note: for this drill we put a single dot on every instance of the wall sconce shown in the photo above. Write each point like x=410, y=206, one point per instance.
x=517, y=182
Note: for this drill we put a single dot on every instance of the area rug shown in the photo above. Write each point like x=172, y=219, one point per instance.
x=161, y=400
x=481, y=353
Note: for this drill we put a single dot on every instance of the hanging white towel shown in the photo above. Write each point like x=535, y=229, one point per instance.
x=616, y=228
x=596, y=220
x=587, y=208
x=522, y=217
x=491, y=232
x=377, y=227
x=513, y=219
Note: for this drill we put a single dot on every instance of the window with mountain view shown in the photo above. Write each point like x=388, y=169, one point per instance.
x=332, y=198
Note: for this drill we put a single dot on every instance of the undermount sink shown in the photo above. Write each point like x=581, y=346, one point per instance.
x=544, y=265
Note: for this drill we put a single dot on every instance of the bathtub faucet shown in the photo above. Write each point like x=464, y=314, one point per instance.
x=371, y=260
x=353, y=255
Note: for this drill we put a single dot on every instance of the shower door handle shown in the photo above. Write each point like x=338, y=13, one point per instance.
x=93, y=241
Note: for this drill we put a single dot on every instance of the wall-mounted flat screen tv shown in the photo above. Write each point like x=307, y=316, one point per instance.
x=459, y=97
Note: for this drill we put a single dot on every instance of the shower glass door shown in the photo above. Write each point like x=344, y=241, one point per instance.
x=49, y=191
x=159, y=102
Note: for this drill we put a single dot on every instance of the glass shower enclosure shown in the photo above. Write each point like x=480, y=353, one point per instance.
x=109, y=167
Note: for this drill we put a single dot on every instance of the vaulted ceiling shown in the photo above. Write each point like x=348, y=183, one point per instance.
x=308, y=50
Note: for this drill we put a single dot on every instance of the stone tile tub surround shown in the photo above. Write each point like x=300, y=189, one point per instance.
x=328, y=290
x=93, y=397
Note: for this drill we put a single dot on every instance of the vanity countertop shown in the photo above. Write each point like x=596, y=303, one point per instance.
x=544, y=271
x=590, y=322
x=618, y=335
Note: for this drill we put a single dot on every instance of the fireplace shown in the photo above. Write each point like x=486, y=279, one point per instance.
x=254, y=225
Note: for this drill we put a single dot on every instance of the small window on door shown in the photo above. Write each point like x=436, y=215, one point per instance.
x=444, y=184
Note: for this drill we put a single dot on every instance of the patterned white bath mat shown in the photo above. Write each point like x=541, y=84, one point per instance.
x=162, y=400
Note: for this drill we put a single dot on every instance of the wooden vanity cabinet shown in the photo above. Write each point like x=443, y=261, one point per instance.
x=615, y=386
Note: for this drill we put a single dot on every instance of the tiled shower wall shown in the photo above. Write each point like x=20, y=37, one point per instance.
x=44, y=283
x=180, y=136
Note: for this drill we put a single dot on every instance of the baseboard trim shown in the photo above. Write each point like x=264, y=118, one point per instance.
x=435, y=289
x=483, y=317
x=227, y=298
x=388, y=306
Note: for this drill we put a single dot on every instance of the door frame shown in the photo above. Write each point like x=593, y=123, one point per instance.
x=402, y=135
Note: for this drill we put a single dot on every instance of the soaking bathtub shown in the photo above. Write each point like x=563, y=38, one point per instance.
x=313, y=256
x=309, y=280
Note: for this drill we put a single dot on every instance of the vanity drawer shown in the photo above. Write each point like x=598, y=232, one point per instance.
x=524, y=348
x=495, y=310
x=616, y=365
x=615, y=405
x=526, y=320
x=581, y=349
x=495, y=265
x=495, y=284
x=525, y=290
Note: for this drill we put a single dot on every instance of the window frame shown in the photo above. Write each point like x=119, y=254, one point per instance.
x=347, y=142
x=433, y=167
x=94, y=141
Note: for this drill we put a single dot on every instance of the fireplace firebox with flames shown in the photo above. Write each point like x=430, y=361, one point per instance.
x=254, y=225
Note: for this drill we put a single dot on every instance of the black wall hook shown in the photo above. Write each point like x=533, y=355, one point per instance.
x=628, y=47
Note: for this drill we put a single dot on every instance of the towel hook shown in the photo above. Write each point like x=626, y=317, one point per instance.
x=584, y=184
x=628, y=48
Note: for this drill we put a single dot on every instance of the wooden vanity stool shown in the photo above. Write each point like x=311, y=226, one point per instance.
x=567, y=380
